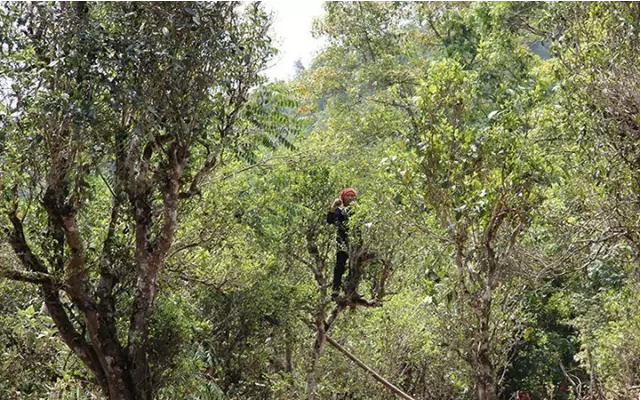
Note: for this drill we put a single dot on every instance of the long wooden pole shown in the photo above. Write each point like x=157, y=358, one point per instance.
x=376, y=376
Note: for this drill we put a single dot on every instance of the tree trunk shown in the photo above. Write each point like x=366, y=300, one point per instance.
x=484, y=379
x=119, y=387
x=289, y=353
x=319, y=317
x=312, y=378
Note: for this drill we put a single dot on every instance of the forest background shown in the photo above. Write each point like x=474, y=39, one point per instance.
x=163, y=206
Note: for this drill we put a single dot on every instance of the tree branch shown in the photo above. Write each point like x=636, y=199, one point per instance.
x=58, y=314
x=198, y=178
x=28, y=276
x=373, y=373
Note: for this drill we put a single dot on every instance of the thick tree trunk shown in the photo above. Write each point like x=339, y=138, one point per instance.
x=484, y=379
x=119, y=387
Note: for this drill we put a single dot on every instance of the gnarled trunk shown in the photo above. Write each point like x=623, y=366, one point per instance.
x=484, y=377
x=483, y=374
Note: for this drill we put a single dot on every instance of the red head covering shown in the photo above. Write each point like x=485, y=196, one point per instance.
x=347, y=190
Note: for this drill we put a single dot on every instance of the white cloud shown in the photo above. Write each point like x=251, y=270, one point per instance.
x=292, y=33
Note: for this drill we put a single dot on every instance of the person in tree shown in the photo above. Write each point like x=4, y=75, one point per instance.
x=338, y=214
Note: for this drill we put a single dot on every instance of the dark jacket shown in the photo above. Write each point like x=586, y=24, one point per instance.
x=340, y=218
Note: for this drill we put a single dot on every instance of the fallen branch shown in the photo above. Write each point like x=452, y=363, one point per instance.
x=376, y=376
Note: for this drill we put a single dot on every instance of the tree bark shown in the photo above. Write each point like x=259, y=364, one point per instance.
x=318, y=267
x=312, y=376
x=484, y=374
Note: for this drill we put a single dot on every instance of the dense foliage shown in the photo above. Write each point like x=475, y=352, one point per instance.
x=163, y=206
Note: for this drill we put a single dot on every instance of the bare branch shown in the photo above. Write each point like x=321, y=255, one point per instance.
x=198, y=178
x=373, y=373
x=28, y=276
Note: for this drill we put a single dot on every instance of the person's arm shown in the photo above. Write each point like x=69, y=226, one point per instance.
x=332, y=215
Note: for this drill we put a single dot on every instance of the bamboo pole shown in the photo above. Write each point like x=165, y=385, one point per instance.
x=376, y=376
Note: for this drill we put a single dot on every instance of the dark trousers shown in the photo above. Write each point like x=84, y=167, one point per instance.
x=339, y=268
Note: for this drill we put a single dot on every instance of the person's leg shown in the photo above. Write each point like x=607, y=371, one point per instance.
x=339, y=270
